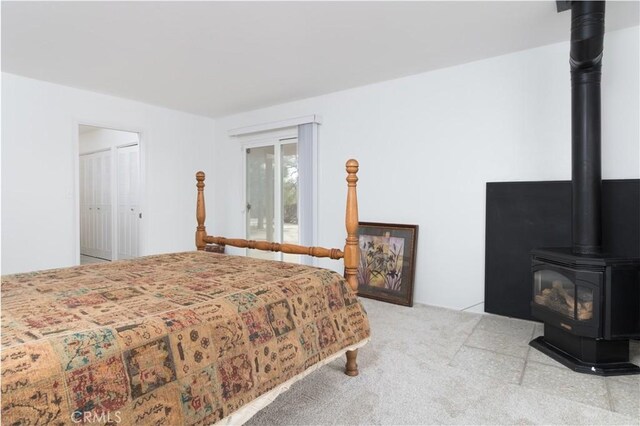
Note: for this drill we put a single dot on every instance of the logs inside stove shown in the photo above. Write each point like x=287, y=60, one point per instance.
x=588, y=300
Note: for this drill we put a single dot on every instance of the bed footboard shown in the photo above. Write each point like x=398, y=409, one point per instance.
x=350, y=253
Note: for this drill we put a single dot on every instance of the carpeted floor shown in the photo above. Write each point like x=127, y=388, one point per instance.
x=428, y=365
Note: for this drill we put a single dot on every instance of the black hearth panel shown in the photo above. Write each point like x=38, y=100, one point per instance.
x=620, y=204
x=522, y=216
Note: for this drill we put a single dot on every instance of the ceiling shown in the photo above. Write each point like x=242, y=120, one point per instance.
x=219, y=58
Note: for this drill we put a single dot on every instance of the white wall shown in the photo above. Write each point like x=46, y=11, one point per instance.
x=100, y=139
x=427, y=145
x=39, y=170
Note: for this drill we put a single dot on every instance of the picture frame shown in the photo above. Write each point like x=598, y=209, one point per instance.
x=386, y=269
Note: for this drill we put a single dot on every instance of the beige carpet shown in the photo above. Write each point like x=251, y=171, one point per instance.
x=428, y=365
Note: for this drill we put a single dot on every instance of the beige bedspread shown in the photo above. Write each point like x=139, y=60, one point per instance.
x=184, y=338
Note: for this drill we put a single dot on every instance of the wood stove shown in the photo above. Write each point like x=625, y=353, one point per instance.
x=589, y=301
x=590, y=308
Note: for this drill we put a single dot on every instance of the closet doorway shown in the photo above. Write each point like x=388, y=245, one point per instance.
x=109, y=192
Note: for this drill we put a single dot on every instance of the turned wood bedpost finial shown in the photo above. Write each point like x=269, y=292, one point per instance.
x=352, y=247
x=201, y=231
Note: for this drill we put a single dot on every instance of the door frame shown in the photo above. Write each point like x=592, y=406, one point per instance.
x=257, y=141
x=142, y=155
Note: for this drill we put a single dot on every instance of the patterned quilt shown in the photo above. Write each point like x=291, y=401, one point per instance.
x=183, y=338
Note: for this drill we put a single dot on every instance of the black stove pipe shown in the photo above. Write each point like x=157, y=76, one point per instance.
x=587, y=35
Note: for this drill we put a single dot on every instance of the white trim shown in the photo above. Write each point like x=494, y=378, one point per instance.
x=114, y=203
x=316, y=198
x=269, y=139
x=291, y=122
x=127, y=145
x=277, y=195
x=94, y=152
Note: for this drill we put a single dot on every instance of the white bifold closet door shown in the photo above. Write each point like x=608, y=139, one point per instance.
x=95, y=205
x=128, y=201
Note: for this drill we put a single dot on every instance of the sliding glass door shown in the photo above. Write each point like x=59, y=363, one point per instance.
x=272, y=195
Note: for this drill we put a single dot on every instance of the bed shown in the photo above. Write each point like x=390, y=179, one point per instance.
x=181, y=338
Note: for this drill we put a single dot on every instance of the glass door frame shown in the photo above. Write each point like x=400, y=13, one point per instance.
x=275, y=139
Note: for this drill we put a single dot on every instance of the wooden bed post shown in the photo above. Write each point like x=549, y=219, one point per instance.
x=352, y=248
x=201, y=215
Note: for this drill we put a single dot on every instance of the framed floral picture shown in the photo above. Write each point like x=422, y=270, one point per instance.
x=387, y=261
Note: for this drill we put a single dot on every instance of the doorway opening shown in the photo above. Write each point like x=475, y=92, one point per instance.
x=109, y=194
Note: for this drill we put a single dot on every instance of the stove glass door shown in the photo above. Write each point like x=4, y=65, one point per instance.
x=554, y=291
x=558, y=292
